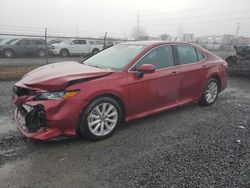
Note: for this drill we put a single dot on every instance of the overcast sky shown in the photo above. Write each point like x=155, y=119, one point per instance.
x=118, y=17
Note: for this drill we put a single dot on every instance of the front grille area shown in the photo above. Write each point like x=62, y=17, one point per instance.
x=19, y=91
x=35, y=119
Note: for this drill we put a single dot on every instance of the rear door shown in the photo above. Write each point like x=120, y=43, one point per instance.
x=21, y=46
x=79, y=46
x=193, y=72
x=156, y=90
x=32, y=46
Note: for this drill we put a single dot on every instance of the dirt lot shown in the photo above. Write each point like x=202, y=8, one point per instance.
x=188, y=147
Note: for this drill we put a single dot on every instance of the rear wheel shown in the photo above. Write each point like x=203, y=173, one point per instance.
x=8, y=53
x=95, y=51
x=41, y=53
x=64, y=53
x=101, y=118
x=210, y=92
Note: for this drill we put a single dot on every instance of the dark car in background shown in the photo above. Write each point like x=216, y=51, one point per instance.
x=23, y=46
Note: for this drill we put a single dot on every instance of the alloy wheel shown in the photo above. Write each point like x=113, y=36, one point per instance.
x=102, y=119
x=211, y=92
x=41, y=53
x=8, y=53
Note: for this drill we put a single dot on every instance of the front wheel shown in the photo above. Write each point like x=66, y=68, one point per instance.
x=210, y=92
x=64, y=53
x=8, y=53
x=95, y=51
x=101, y=118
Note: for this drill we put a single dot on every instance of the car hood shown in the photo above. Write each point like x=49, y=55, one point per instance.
x=60, y=44
x=58, y=76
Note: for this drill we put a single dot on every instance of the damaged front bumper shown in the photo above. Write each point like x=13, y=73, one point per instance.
x=47, y=119
x=31, y=120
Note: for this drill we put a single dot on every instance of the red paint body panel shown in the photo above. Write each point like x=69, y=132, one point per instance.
x=141, y=96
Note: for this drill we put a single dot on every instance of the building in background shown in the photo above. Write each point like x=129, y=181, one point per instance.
x=188, y=37
x=244, y=41
x=165, y=37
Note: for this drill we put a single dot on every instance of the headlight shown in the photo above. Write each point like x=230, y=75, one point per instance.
x=55, y=95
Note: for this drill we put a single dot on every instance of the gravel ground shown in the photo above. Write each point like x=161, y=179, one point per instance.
x=191, y=146
x=5, y=103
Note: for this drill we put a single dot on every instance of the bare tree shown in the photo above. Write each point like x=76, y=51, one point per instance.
x=138, y=32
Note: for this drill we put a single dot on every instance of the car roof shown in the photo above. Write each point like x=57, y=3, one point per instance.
x=154, y=43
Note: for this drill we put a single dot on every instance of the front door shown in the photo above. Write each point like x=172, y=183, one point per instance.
x=155, y=90
x=22, y=46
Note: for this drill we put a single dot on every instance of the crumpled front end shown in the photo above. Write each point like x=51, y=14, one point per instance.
x=45, y=119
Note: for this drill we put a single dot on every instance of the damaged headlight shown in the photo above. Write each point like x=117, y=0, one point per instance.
x=55, y=95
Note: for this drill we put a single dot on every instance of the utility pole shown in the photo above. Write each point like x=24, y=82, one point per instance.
x=237, y=29
x=138, y=25
x=237, y=33
x=104, y=41
x=46, y=44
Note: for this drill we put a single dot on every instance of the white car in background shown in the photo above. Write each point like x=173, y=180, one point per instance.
x=75, y=47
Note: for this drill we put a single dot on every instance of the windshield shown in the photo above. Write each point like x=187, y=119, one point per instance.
x=10, y=41
x=116, y=57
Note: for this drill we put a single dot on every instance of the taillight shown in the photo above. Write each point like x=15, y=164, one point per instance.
x=225, y=64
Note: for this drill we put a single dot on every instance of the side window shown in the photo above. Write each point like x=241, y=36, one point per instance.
x=160, y=57
x=200, y=55
x=32, y=42
x=82, y=42
x=40, y=42
x=22, y=42
x=75, y=42
x=79, y=41
x=187, y=54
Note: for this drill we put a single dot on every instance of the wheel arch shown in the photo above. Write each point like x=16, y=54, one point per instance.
x=217, y=77
x=40, y=49
x=64, y=49
x=95, y=49
x=110, y=95
x=11, y=49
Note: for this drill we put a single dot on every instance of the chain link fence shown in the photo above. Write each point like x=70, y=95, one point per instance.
x=25, y=49
x=44, y=49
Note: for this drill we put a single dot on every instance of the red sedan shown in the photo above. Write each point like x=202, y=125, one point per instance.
x=124, y=82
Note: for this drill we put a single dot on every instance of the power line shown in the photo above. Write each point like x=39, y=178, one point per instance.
x=199, y=22
x=192, y=5
x=196, y=16
x=55, y=36
x=237, y=29
x=138, y=24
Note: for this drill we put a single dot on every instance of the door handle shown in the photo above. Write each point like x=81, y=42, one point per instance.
x=174, y=73
x=204, y=66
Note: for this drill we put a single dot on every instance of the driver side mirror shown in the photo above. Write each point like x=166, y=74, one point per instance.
x=145, y=69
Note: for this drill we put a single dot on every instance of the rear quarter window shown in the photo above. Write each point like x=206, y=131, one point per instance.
x=199, y=55
x=187, y=54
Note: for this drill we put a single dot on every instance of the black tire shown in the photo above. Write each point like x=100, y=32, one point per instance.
x=64, y=53
x=204, y=100
x=83, y=123
x=8, y=53
x=231, y=60
x=41, y=53
x=95, y=51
